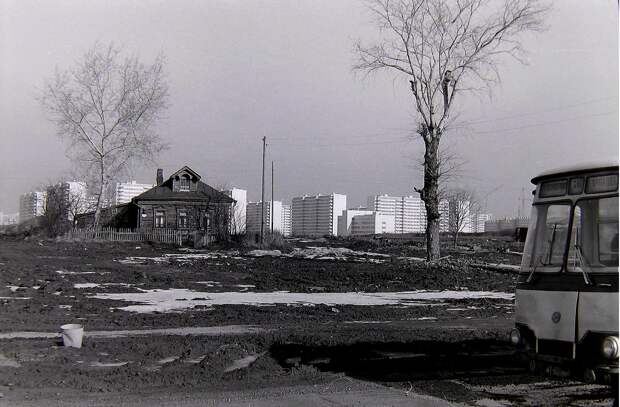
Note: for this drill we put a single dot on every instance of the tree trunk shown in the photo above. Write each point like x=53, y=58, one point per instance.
x=430, y=192
x=100, y=197
x=456, y=238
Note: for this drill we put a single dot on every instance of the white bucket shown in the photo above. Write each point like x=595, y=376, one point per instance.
x=72, y=335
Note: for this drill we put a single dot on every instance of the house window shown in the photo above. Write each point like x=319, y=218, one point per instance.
x=160, y=219
x=184, y=183
x=182, y=219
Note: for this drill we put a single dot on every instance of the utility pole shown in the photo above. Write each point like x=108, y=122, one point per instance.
x=271, y=206
x=262, y=198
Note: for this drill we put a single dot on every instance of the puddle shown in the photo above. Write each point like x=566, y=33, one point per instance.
x=182, y=299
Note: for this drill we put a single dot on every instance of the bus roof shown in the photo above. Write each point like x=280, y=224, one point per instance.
x=578, y=168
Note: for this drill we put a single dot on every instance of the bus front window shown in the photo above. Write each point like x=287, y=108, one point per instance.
x=594, y=236
x=544, y=249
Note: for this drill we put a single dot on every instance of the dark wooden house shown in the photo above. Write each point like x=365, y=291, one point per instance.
x=182, y=202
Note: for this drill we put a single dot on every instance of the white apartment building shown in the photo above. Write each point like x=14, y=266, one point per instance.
x=238, y=213
x=408, y=211
x=287, y=224
x=345, y=220
x=69, y=197
x=277, y=213
x=9, y=219
x=127, y=190
x=479, y=221
x=506, y=224
x=461, y=216
x=317, y=215
x=31, y=205
x=372, y=224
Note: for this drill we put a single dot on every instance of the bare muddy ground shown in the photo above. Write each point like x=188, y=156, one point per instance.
x=442, y=333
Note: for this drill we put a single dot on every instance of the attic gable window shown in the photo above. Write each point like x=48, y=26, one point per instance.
x=184, y=183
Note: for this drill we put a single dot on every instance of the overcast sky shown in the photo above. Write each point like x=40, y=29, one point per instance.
x=242, y=69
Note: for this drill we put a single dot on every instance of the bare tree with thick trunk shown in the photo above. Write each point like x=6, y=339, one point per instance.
x=445, y=47
x=105, y=107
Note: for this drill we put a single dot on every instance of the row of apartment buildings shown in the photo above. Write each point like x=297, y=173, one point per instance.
x=72, y=198
x=320, y=215
x=308, y=215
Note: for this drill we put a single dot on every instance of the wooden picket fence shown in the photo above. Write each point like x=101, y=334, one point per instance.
x=171, y=236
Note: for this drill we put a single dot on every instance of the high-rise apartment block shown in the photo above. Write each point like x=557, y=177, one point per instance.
x=408, y=211
x=9, y=219
x=238, y=212
x=31, y=205
x=287, y=220
x=317, y=215
x=127, y=190
x=479, y=221
x=372, y=224
x=68, y=198
x=280, y=214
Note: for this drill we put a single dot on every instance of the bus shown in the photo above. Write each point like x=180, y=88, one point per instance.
x=567, y=290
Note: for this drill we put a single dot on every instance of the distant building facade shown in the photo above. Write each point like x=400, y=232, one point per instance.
x=238, y=212
x=409, y=212
x=506, y=224
x=372, y=224
x=9, y=219
x=280, y=214
x=317, y=215
x=479, y=221
x=346, y=219
x=125, y=191
x=68, y=199
x=31, y=205
x=287, y=220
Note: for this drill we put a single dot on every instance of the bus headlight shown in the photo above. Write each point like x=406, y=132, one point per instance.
x=515, y=337
x=611, y=346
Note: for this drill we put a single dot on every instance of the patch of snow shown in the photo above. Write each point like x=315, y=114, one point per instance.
x=62, y=272
x=209, y=283
x=110, y=364
x=63, y=306
x=85, y=285
x=172, y=300
x=263, y=253
x=167, y=360
x=6, y=362
x=367, y=322
x=243, y=362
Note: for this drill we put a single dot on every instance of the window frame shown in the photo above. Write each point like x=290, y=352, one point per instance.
x=156, y=217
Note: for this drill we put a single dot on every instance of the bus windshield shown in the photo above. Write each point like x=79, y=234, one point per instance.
x=593, y=245
x=544, y=246
x=594, y=236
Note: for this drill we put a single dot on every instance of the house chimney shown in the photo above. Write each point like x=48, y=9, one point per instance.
x=160, y=176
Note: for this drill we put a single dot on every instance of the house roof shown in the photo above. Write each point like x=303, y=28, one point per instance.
x=203, y=192
x=186, y=169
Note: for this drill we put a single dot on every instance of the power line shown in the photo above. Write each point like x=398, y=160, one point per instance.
x=588, y=102
x=542, y=123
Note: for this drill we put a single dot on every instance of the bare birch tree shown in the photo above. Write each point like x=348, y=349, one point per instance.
x=445, y=47
x=106, y=107
x=463, y=207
